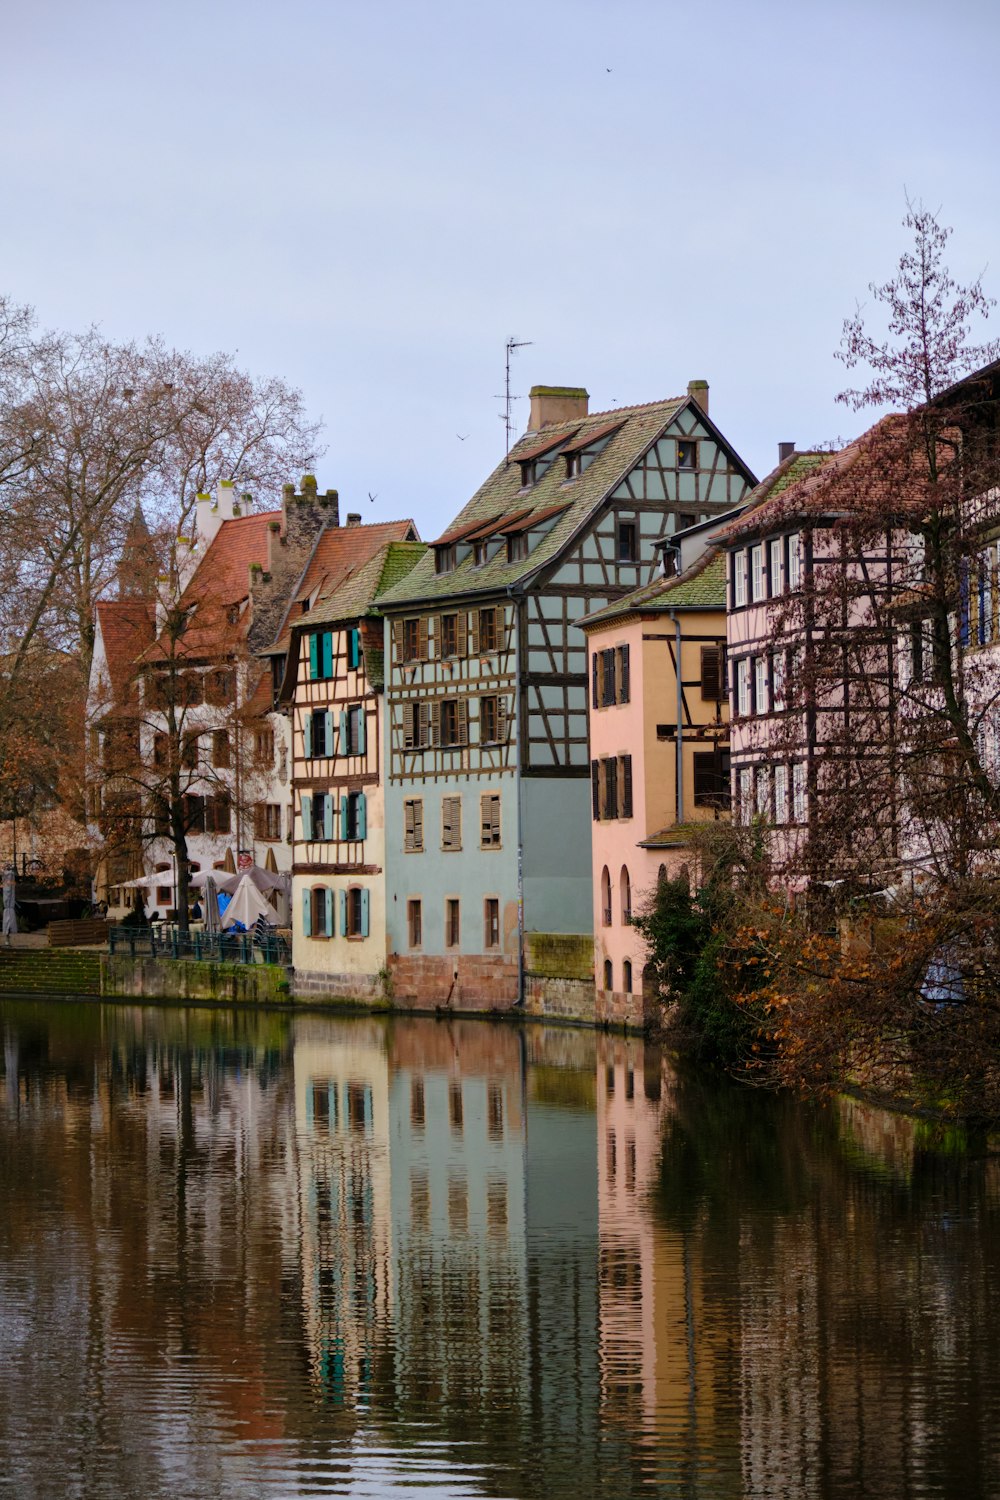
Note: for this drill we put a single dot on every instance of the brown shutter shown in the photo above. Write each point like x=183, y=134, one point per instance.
x=418, y=824
x=623, y=674
x=625, y=786
x=434, y=712
x=595, y=787
x=462, y=634
x=611, y=787
x=408, y=808
x=502, y=728
x=463, y=721
x=474, y=619
x=422, y=638
x=397, y=640
x=409, y=725
x=711, y=673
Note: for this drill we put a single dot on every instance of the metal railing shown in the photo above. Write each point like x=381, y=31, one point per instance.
x=163, y=940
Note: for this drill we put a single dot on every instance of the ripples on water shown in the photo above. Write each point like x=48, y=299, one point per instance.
x=246, y=1255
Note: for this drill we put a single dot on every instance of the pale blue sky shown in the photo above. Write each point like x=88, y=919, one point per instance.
x=369, y=198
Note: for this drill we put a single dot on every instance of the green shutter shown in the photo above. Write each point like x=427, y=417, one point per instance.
x=307, y=915
x=361, y=729
x=343, y=817
x=313, y=657
x=364, y=911
x=327, y=639
x=328, y=816
x=307, y=816
x=362, y=816
x=329, y=911
x=354, y=647
x=343, y=913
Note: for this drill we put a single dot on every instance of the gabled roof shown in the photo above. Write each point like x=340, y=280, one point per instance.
x=779, y=495
x=357, y=593
x=702, y=586
x=127, y=627
x=339, y=552
x=637, y=428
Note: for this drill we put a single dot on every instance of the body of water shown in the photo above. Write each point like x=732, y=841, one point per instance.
x=255, y=1255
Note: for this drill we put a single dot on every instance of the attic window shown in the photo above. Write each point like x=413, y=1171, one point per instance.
x=517, y=546
x=445, y=558
x=527, y=473
x=305, y=606
x=687, y=455
x=574, y=467
x=479, y=554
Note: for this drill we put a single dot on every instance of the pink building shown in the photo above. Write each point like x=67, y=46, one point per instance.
x=659, y=757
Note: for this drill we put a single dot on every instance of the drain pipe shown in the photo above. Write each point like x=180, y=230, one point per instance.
x=520, y=730
x=679, y=773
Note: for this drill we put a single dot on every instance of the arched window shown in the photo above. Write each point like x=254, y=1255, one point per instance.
x=608, y=975
x=605, y=897
x=625, y=891
x=627, y=976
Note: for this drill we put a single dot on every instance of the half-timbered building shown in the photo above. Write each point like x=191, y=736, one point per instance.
x=331, y=689
x=487, y=791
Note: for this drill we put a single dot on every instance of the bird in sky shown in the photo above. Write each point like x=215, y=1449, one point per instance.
x=460, y=437
x=372, y=497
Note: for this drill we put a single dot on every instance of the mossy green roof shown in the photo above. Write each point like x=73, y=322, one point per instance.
x=357, y=594
x=502, y=495
x=702, y=586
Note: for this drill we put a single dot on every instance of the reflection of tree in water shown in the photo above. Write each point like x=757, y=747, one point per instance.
x=858, y=1297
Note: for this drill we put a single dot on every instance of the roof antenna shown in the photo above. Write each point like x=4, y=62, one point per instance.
x=507, y=398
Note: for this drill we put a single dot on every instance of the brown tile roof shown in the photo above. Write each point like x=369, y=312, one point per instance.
x=592, y=435
x=545, y=444
x=127, y=627
x=529, y=518
x=339, y=552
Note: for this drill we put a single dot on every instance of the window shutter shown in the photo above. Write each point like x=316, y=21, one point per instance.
x=462, y=634
x=409, y=825
x=352, y=647
x=331, y=744
x=434, y=738
x=362, y=816
x=343, y=817
x=422, y=638
x=328, y=912
x=364, y=911
x=611, y=787
x=418, y=825
x=595, y=785
x=623, y=686
x=361, y=729
x=328, y=816
x=609, y=676
x=474, y=618
x=313, y=657
x=307, y=816
x=307, y=735
x=502, y=719
x=463, y=721
x=327, y=639
x=595, y=694
x=397, y=640
x=307, y=913
x=344, y=743
x=625, y=772
x=343, y=914
x=410, y=711
x=711, y=672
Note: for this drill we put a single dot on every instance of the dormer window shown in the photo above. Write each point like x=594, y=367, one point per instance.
x=527, y=473
x=445, y=559
x=305, y=606
x=573, y=465
x=479, y=554
x=517, y=546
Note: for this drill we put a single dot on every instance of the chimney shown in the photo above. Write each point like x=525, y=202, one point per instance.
x=210, y=513
x=551, y=404
x=698, y=391
x=785, y=450
x=353, y=518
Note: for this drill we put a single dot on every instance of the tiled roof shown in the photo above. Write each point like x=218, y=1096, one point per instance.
x=356, y=594
x=127, y=627
x=339, y=552
x=702, y=586
x=502, y=494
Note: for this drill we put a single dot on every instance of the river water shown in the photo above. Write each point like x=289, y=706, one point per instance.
x=246, y=1254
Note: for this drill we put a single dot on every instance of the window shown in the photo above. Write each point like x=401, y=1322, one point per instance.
x=610, y=806
x=491, y=922
x=413, y=825
x=605, y=898
x=220, y=749
x=321, y=655
x=685, y=519
x=267, y=821
x=781, y=794
x=352, y=731
x=354, y=912
x=317, y=912
x=354, y=648
x=413, y=640
x=760, y=684
x=451, y=822
x=489, y=805
x=445, y=558
x=743, y=686
x=711, y=778
x=713, y=672
x=452, y=919
x=778, y=677
x=984, y=612
x=757, y=590
x=746, y=795
x=480, y=554
x=484, y=631
x=611, y=782
x=448, y=635
x=263, y=747
x=517, y=546
x=794, y=563
x=218, y=813
x=625, y=893
x=189, y=752
x=352, y=816
x=774, y=566
x=492, y=720
x=687, y=455
x=161, y=745
x=453, y=721
x=277, y=678
x=624, y=786
x=193, y=813
x=622, y=663
x=608, y=975
x=799, y=792
x=415, y=936
x=739, y=579
x=627, y=976
x=416, y=725
x=319, y=734
x=603, y=690
x=762, y=783
x=219, y=688
x=628, y=548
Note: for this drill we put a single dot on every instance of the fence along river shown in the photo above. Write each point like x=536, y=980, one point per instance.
x=247, y=1253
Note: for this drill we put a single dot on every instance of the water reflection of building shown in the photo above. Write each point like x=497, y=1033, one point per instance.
x=342, y=1126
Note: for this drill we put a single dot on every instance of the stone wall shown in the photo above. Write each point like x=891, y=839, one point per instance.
x=193, y=979
x=366, y=989
x=559, y=976
x=468, y=981
x=45, y=971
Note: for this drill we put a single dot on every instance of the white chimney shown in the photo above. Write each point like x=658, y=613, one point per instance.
x=210, y=514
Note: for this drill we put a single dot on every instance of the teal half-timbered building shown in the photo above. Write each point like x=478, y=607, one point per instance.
x=487, y=765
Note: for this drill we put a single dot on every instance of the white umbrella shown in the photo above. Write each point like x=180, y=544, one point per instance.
x=247, y=905
x=146, y=882
x=264, y=880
